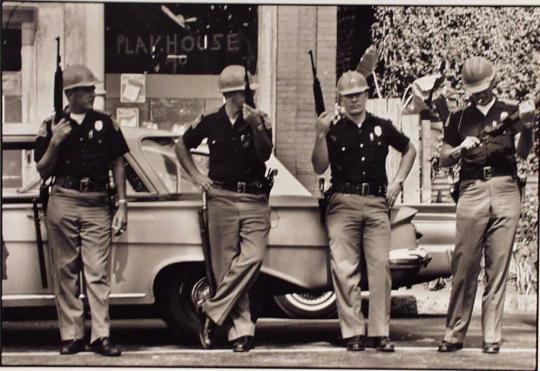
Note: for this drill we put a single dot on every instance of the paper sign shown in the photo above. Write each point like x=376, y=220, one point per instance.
x=133, y=88
x=127, y=116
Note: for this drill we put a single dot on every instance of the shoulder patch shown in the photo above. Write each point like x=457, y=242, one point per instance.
x=196, y=123
x=266, y=120
x=42, y=132
x=115, y=124
x=103, y=112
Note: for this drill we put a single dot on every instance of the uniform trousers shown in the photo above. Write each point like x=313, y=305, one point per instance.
x=238, y=226
x=360, y=225
x=487, y=215
x=79, y=234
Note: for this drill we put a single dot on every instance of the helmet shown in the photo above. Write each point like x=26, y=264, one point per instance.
x=477, y=73
x=78, y=76
x=232, y=79
x=351, y=82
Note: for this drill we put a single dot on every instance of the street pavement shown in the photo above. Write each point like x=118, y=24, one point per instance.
x=280, y=343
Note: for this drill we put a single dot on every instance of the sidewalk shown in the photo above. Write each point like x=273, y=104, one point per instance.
x=421, y=300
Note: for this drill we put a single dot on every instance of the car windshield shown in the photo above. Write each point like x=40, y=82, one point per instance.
x=160, y=153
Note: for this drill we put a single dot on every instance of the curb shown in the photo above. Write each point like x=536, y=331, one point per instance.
x=417, y=302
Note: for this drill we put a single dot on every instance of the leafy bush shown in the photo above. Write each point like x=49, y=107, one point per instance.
x=413, y=41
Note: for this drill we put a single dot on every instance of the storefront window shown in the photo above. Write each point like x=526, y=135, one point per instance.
x=162, y=60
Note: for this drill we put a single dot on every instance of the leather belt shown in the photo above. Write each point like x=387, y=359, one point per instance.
x=362, y=189
x=484, y=173
x=84, y=184
x=242, y=187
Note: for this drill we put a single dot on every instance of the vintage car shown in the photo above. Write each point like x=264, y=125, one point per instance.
x=159, y=259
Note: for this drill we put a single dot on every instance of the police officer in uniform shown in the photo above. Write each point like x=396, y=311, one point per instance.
x=78, y=153
x=357, y=217
x=488, y=208
x=239, y=138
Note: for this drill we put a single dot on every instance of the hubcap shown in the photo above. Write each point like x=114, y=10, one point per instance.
x=200, y=291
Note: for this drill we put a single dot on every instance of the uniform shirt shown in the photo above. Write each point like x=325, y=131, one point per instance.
x=495, y=151
x=88, y=149
x=233, y=157
x=358, y=154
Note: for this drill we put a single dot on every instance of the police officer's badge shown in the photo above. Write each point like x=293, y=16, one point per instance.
x=378, y=130
x=98, y=125
x=245, y=140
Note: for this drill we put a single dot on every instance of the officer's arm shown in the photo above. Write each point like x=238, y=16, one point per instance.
x=319, y=156
x=47, y=163
x=263, y=144
x=450, y=155
x=405, y=164
x=260, y=127
x=184, y=156
x=119, y=175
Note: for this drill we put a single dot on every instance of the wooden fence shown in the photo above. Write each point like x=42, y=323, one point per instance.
x=425, y=136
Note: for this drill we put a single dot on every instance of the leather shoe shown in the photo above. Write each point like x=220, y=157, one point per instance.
x=355, y=343
x=446, y=346
x=104, y=347
x=244, y=344
x=491, y=348
x=383, y=344
x=72, y=346
x=206, y=333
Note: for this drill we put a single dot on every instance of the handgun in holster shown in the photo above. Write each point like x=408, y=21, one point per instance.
x=269, y=180
x=323, y=200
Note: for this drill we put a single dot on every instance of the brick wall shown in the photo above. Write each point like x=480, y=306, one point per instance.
x=300, y=29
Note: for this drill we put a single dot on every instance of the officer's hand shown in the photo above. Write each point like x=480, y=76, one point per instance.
x=392, y=192
x=252, y=117
x=323, y=122
x=202, y=181
x=527, y=113
x=60, y=131
x=469, y=143
x=119, y=223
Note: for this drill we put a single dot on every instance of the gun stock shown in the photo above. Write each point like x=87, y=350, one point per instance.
x=317, y=91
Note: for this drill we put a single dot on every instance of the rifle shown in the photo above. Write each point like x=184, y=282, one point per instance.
x=317, y=91
x=58, y=86
x=248, y=93
x=205, y=239
x=488, y=132
x=39, y=243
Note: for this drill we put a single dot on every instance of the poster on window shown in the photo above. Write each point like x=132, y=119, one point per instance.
x=132, y=88
x=127, y=116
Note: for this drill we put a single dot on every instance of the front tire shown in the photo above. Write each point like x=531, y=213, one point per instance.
x=177, y=294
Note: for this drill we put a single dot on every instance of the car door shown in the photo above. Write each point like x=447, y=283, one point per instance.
x=26, y=279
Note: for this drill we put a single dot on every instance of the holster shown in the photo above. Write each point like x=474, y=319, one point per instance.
x=323, y=204
x=454, y=191
x=44, y=193
x=269, y=181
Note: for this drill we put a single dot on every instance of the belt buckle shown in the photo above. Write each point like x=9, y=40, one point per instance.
x=241, y=187
x=364, y=189
x=487, y=172
x=83, y=184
